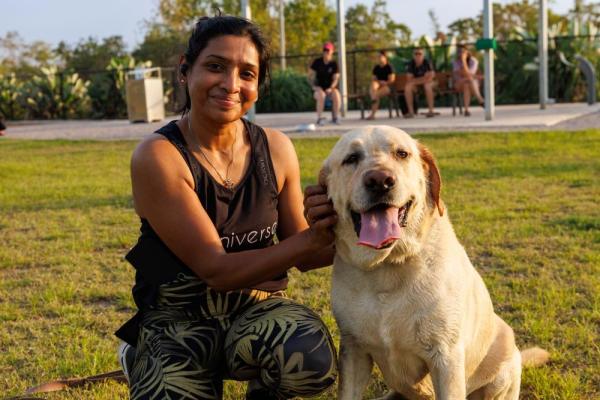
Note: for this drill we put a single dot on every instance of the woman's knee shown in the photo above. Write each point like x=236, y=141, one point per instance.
x=319, y=95
x=286, y=344
x=168, y=362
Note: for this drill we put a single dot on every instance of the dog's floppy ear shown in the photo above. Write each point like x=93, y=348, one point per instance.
x=323, y=174
x=434, y=181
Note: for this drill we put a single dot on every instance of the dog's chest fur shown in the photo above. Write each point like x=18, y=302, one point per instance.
x=400, y=314
x=392, y=316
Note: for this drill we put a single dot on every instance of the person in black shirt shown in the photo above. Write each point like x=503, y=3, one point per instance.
x=419, y=73
x=323, y=76
x=212, y=190
x=383, y=78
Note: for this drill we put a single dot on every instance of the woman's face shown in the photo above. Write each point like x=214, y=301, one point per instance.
x=223, y=81
x=382, y=59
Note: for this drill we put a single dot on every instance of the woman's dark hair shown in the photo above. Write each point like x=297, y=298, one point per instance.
x=464, y=47
x=208, y=28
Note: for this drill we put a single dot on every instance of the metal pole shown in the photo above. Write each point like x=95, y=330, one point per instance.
x=341, y=32
x=543, y=52
x=246, y=13
x=488, y=33
x=282, y=33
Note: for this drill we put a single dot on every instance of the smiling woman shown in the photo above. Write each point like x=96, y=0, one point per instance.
x=212, y=190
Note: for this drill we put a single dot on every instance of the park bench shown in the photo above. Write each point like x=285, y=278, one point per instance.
x=445, y=89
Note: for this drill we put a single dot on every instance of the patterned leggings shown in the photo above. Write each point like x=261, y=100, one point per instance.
x=282, y=347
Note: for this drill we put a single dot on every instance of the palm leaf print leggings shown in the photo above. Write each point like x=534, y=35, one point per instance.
x=183, y=352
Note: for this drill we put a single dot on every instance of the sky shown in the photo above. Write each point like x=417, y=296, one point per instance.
x=72, y=20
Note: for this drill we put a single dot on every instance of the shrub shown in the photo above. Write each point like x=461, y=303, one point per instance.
x=289, y=91
x=10, y=90
x=56, y=95
x=107, y=100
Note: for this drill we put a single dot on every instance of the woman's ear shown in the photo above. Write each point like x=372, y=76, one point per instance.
x=434, y=180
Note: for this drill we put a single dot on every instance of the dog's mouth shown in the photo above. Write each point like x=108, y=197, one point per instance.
x=379, y=226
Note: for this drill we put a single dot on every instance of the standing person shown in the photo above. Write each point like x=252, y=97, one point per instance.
x=464, y=73
x=383, y=79
x=323, y=76
x=212, y=190
x=419, y=73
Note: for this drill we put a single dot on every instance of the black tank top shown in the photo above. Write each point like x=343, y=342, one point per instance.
x=245, y=217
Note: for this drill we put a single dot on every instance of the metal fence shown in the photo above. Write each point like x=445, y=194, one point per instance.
x=515, y=64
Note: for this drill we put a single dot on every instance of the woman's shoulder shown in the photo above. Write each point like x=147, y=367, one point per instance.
x=278, y=141
x=281, y=148
x=155, y=149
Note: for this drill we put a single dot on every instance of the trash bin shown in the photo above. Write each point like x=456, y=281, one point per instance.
x=144, y=93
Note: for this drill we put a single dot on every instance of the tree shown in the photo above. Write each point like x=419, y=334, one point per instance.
x=24, y=58
x=162, y=46
x=466, y=29
x=177, y=18
x=374, y=28
x=584, y=14
x=508, y=20
x=89, y=55
x=435, y=22
x=308, y=23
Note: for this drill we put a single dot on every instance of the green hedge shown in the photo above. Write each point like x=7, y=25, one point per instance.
x=288, y=91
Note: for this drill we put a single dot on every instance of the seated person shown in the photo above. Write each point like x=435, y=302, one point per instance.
x=419, y=73
x=464, y=73
x=323, y=77
x=383, y=78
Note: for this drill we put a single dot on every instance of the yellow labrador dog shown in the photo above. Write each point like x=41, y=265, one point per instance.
x=404, y=292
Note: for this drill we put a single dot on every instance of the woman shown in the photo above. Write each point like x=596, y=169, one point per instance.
x=464, y=71
x=212, y=190
x=383, y=78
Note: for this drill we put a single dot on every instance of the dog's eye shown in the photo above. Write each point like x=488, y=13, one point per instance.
x=401, y=154
x=353, y=158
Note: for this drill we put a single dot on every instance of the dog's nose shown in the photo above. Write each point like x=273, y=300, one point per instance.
x=379, y=181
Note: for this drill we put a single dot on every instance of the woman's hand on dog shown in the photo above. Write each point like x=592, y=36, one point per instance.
x=319, y=214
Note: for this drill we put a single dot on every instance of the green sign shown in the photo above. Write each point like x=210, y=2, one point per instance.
x=486, y=44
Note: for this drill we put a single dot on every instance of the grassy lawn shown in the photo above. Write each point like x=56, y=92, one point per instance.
x=524, y=205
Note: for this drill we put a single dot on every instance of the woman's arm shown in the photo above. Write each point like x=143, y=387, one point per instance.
x=391, y=79
x=163, y=192
x=291, y=207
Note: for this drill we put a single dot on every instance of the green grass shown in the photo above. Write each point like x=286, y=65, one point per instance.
x=524, y=205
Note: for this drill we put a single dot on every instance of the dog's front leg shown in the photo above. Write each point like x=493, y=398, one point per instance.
x=355, y=369
x=447, y=371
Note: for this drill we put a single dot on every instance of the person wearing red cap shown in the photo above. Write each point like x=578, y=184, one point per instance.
x=323, y=77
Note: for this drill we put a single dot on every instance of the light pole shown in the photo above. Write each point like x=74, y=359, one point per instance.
x=488, y=61
x=543, y=52
x=246, y=13
x=341, y=33
x=282, y=33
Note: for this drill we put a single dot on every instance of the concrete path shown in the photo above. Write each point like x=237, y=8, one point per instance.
x=573, y=116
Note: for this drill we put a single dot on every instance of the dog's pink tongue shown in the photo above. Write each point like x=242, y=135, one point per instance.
x=379, y=227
